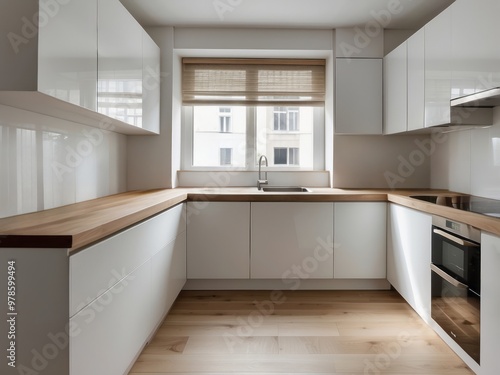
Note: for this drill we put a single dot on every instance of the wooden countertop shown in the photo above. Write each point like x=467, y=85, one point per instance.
x=77, y=225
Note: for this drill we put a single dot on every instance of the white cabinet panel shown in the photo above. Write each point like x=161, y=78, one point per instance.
x=67, y=52
x=168, y=277
x=360, y=240
x=476, y=56
x=109, y=332
x=150, y=84
x=292, y=240
x=490, y=303
x=409, y=256
x=395, y=91
x=416, y=80
x=97, y=268
x=358, y=96
x=438, y=69
x=119, y=87
x=218, y=241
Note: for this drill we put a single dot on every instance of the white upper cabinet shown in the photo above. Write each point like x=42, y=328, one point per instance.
x=67, y=53
x=475, y=51
x=416, y=80
x=395, y=90
x=360, y=240
x=358, y=96
x=438, y=69
x=150, y=84
x=50, y=63
x=119, y=86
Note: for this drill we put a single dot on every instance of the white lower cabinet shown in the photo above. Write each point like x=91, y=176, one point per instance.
x=490, y=303
x=291, y=240
x=218, y=241
x=409, y=256
x=120, y=290
x=360, y=240
x=109, y=333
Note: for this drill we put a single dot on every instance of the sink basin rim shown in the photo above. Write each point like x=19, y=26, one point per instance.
x=285, y=189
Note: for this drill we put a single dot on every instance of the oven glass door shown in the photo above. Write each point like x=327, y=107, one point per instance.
x=457, y=310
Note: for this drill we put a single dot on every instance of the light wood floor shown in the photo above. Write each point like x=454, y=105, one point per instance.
x=303, y=332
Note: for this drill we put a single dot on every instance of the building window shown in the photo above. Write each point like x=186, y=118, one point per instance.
x=226, y=156
x=286, y=119
x=225, y=119
x=286, y=156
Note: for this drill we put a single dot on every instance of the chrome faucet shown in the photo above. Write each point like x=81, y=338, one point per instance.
x=260, y=181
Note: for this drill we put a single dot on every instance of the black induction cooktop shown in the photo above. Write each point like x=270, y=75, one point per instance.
x=472, y=203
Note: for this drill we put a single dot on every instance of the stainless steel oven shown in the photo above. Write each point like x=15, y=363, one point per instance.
x=456, y=278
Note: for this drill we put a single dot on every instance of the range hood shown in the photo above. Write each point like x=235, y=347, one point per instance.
x=483, y=99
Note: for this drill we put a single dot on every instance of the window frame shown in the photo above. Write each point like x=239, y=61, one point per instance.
x=187, y=140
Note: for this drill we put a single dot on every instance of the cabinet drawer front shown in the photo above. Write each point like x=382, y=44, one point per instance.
x=97, y=268
x=108, y=334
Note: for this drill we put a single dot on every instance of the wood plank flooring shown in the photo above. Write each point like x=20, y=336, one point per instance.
x=295, y=332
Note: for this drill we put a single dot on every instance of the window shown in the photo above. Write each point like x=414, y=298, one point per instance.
x=226, y=156
x=286, y=156
x=225, y=119
x=286, y=119
x=236, y=110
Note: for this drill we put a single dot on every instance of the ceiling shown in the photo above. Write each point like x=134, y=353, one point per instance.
x=317, y=14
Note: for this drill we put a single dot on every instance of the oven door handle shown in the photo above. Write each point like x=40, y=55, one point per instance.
x=455, y=239
x=451, y=280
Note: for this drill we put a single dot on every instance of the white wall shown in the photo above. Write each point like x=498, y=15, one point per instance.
x=469, y=161
x=47, y=162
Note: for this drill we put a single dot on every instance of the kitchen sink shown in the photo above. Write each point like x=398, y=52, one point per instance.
x=285, y=189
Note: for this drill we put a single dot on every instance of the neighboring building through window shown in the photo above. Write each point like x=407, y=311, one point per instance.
x=226, y=156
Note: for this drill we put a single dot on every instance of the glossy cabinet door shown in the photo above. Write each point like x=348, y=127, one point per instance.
x=490, y=303
x=119, y=87
x=67, y=52
x=168, y=272
x=358, y=96
x=218, y=240
x=475, y=50
x=292, y=240
x=395, y=91
x=151, y=79
x=111, y=331
x=360, y=240
x=416, y=80
x=438, y=69
x=409, y=256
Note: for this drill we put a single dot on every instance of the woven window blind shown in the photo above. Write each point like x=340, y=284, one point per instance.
x=277, y=82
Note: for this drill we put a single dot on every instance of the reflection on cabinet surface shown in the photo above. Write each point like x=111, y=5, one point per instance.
x=291, y=240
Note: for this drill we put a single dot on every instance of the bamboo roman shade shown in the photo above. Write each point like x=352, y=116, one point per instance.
x=274, y=82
